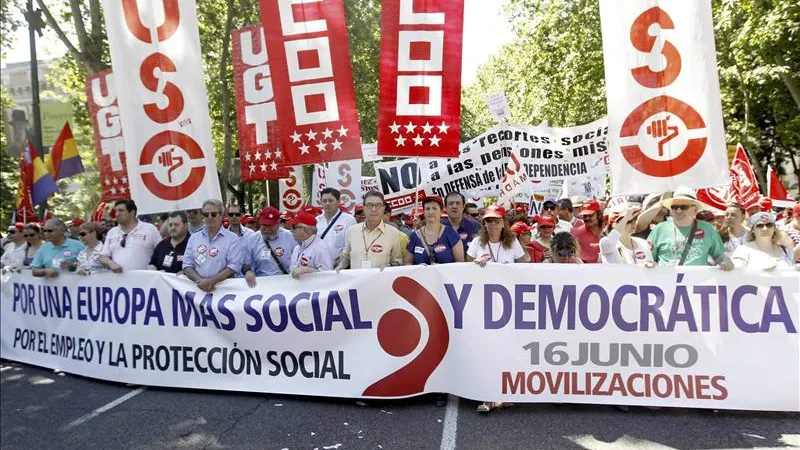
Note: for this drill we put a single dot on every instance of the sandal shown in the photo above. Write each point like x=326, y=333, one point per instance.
x=485, y=407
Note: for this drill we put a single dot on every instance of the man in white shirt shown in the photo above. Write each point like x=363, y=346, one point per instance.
x=129, y=245
x=333, y=224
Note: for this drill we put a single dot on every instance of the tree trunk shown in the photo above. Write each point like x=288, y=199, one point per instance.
x=787, y=79
x=226, y=108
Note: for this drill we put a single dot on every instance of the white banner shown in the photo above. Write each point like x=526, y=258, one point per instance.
x=292, y=190
x=368, y=184
x=400, y=183
x=345, y=176
x=369, y=152
x=319, y=181
x=605, y=334
x=156, y=58
x=664, y=109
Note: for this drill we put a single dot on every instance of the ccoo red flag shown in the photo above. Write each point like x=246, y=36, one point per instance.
x=744, y=183
x=777, y=191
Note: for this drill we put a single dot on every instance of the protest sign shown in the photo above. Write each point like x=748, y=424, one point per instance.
x=664, y=108
x=498, y=105
x=419, y=107
x=319, y=181
x=260, y=155
x=292, y=190
x=345, y=176
x=602, y=334
x=309, y=59
x=101, y=100
x=368, y=184
x=163, y=106
x=400, y=182
x=369, y=152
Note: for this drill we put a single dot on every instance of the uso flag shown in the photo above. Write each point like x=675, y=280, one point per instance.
x=420, y=84
x=664, y=110
x=156, y=58
x=309, y=58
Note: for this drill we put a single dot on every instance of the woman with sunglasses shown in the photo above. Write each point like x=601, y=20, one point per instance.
x=495, y=242
x=546, y=227
x=89, y=259
x=433, y=243
x=14, y=250
x=33, y=236
x=564, y=249
x=619, y=246
x=762, y=249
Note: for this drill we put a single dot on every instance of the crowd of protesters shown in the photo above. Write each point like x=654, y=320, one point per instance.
x=214, y=243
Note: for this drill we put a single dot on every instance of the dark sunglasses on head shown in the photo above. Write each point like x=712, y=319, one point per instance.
x=234, y=214
x=761, y=226
x=124, y=240
x=680, y=207
x=211, y=214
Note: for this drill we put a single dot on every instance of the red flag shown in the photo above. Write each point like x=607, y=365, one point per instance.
x=777, y=191
x=743, y=180
x=420, y=80
x=313, y=81
x=717, y=198
x=109, y=146
x=260, y=156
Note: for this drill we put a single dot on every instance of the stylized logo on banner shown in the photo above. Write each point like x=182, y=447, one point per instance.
x=313, y=80
x=717, y=197
x=515, y=181
x=664, y=106
x=164, y=106
x=346, y=177
x=744, y=182
x=420, y=80
x=260, y=155
x=101, y=98
x=291, y=190
x=398, y=181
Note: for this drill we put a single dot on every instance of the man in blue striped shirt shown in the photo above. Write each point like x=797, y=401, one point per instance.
x=213, y=254
x=269, y=252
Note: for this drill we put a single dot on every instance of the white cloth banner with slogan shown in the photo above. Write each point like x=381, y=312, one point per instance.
x=545, y=153
x=605, y=334
x=664, y=109
x=163, y=105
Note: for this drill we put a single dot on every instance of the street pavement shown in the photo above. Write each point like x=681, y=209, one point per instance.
x=42, y=409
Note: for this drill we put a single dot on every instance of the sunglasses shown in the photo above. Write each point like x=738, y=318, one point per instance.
x=124, y=240
x=680, y=207
x=565, y=254
x=12, y=232
x=48, y=231
x=546, y=227
x=210, y=214
x=234, y=214
x=549, y=208
x=762, y=226
x=29, y=235
x=492, y=220
x=82, y=234
x=475, y=215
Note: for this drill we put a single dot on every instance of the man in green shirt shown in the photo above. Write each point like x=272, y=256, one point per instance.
x=686, y=241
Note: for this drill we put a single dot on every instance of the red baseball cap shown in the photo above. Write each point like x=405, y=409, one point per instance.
x=359, y=208
x=286, y=215
x=495, y=211
x=76, y=222
x=520, y=227
x=546, y=219
x=313, y=210
x=590, y=207
x=269, y=216
x=303, y=217
x=433, y=198
x=796, y=209
x=248, y=219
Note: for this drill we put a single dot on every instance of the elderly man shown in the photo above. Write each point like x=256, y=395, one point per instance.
x=465, y=226
x=58, y=254
x=168, y=254
x=589, y=234
x=235, y=216
x=564, y=211
x=212, y=254
x=129, y=245
x=333, y=224
x=312, y=253
x=372, y=243
x=269, y=252
x=686, y=241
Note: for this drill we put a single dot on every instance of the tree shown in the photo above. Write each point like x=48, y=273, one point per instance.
x=9, y=167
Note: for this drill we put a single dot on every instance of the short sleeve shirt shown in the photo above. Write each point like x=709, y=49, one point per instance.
x=668, y=241
x=495, y=252
x=257, y=255
x=89, y=259
x=466, y=230
x=139, y=245
x=210, y=255
x=441, y=250
x=336, y=238
x=50, y=257
x=613, y=252
x=314, y=253
x=588, y=242
x=167, y=257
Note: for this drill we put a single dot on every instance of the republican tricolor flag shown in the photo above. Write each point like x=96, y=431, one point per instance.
x=34, y=176
x=63, y=160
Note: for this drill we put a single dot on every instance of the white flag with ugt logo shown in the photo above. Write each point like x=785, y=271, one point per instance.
x=163, y=105
x=664, y=110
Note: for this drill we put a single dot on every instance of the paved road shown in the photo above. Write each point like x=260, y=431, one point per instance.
x=40, y=409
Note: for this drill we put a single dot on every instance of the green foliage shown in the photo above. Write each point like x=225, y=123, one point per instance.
x=9, y=167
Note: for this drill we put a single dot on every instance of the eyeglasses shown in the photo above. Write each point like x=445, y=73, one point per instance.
x=565, y=254
x=762, y=226
x=373, y=205
x=680, y=207
x=211, y=214
x=492, y=220
x=124, y=240
x=475, y=215
x=48, y=231
x=83, y=233
x=234, y=214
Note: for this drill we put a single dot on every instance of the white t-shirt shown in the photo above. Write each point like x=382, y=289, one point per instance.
x=734, y=242
x=753, y=258
x=495, y=252
x=336, y=238
x=613, y=252
x=139, y=245
x=13, y=255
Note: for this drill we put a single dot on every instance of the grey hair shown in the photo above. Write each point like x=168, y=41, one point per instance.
x=309, y=228
x=216, y=203
x=58, y=222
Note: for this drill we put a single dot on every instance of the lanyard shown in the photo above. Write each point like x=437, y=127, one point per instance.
x=494, y=258
x=364, y=238
x=302, y=249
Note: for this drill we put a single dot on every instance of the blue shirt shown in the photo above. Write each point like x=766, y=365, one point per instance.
x=210, y=255
x=256, y=253
x=50, y=257
x=467, y=229
x=442, y=249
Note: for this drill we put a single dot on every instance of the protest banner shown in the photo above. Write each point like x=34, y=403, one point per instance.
x=601, y=334
x=543, y=190
x=400, y=182
x=101, y=101
x=319, y=181
x=313, y=81
x=369, y=152
x=545, y=152
x=743, y=180
x=260, y=155
x=368, y=184
x=716, y=198
x=345, y=176
x=164, y=105
x=664, y=108
x=419, y=104
x=292, y=190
